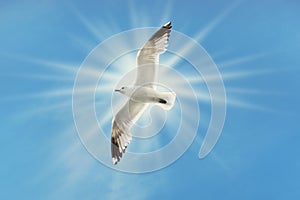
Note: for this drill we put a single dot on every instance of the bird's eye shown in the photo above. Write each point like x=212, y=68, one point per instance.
x=122, y=88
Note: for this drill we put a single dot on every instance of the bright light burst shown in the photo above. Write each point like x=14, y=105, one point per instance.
x=230, y=70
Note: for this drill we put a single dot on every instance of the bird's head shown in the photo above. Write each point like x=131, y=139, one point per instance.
x=122, y=90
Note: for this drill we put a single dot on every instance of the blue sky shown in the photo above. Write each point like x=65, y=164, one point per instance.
x=255, y=45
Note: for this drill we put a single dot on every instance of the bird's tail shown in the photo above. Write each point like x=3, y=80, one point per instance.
x=166, y=100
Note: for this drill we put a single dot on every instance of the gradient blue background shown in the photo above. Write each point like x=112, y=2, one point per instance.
x=257, y=156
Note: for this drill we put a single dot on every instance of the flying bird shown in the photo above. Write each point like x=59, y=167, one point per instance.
x=142, y=93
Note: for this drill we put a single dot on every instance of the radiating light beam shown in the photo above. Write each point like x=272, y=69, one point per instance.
x=200, y=36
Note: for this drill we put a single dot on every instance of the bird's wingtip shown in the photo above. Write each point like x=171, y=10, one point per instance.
x=114, y=160
x=168, y=25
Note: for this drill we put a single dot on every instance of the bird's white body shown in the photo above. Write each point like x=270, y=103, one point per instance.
x=145, y=94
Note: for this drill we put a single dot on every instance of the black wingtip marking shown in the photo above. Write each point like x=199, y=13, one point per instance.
x=115, y=151
x=168, y=25
x=162, y=101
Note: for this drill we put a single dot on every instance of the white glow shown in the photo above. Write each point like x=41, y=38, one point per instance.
x=110, y=78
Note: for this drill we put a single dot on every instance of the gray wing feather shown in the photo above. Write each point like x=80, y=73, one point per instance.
x=148, y=56
x=121, y=125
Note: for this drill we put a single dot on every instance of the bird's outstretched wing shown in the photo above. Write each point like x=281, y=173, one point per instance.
x=148, y=56
x=121, y=125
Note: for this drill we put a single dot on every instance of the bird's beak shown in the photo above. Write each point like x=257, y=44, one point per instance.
x=117, y=90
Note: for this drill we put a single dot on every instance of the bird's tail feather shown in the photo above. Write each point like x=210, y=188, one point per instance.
x=167, y=100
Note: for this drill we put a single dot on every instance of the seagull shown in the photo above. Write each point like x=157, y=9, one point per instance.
x=142, y=93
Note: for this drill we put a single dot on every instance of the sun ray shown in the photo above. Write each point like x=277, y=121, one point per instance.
x=245, y=105
x=239, y=60
x=132, y=14
x=107, y=117
x=64, y=92
x=47, y=77
x=110, y=76
x=167, y=12
x=105, y=88
x=228, y=76
x=64, y=67
x=59, y=106
x=84, y=43
x=90, y=27
x=236, y=90
x=200, y=36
